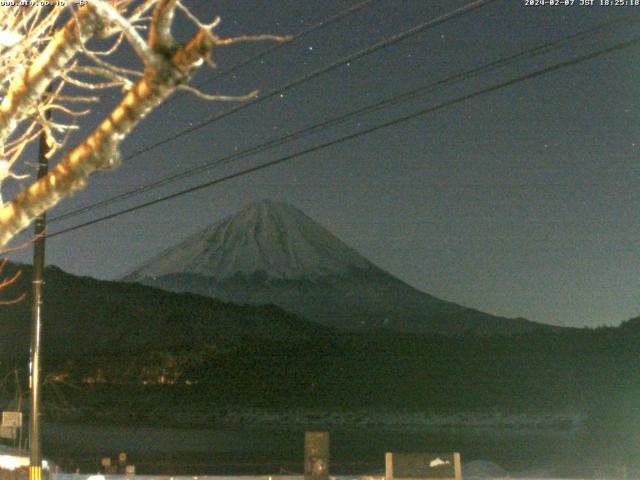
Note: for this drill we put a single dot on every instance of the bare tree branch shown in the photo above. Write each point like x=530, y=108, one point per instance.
x=219, y=98
x=99, y=150
x=8, y=282
x=66, y=58
x=29, y=86
x=111, y=15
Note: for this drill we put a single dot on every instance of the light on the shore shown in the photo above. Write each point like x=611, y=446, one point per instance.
x=11, y=462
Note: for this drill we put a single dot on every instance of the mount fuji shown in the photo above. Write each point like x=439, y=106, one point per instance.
x=272, y=253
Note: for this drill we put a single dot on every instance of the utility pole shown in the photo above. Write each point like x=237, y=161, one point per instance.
x=35, y=453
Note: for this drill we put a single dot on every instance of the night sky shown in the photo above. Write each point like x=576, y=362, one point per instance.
x=522, y=202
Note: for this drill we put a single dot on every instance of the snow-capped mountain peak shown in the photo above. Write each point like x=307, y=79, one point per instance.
x=272, y=253
x=267, y=238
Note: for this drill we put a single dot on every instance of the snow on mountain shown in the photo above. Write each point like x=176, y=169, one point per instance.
x=267, y=237
x=272, y=253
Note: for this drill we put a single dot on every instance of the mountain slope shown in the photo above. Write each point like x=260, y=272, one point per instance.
x=88, y=317
x=272, y=253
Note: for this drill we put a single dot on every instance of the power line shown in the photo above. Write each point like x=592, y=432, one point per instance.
x=390, y=101
x=367, y=51
x=558, y=66
x=267, y=51
x=316, y=73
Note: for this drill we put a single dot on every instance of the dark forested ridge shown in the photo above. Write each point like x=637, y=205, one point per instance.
x=88, y=317
x=99, y=333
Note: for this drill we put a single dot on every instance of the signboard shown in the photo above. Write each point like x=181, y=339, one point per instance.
x=316, y=456
x=130, y=470
x=8, y=432
x=423, y=466
x=105, y=462
x=122, y=458
x=12, y=419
